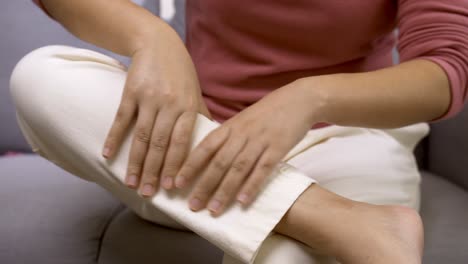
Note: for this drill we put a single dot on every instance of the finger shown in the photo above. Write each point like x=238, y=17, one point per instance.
x=121, y=123
x=214, y=173
x=156, y=151
x=179, y=147
x=141, y=139
x=201, y=155
x=238, y=172
x=264, y=167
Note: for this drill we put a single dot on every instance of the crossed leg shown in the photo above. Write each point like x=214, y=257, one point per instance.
x=50, y=82
x=367, y=165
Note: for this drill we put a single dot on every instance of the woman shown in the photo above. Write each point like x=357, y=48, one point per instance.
x=268, y=71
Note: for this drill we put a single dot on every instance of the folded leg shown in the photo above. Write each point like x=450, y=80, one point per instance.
x=66, y=99
x=368, y=165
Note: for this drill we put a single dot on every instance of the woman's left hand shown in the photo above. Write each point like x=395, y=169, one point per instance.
x=236, y=158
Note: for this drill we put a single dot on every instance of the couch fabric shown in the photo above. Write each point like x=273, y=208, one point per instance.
x=50, y=216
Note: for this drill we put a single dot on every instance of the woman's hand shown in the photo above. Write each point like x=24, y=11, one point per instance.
x=163, y=92
x=236, y=158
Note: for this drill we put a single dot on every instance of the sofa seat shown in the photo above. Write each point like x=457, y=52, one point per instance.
x=50, y=216
x=130, y=239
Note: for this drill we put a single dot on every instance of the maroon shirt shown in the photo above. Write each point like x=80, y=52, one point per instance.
x=244, y=49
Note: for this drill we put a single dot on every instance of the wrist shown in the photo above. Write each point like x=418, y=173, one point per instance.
x=315, y=97
x=151, y=36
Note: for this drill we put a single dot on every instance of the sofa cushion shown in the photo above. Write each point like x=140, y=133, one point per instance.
x=48, y=215
x=130, y=239
x=445, y=216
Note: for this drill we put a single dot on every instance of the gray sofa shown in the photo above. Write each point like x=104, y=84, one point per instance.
x=48, y=216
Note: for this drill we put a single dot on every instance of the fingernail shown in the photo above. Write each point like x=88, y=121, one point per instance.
x=180, y=182
x=106, y=152
x=132, y=181
x=147, y=190
x=243, y=198
x=167, y=182
x=195, y=204
x=214, y=206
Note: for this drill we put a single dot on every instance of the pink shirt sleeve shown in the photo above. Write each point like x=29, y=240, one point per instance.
x=438, y=31
x=434, y=30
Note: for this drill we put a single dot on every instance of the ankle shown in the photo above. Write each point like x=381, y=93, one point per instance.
x=316, y=218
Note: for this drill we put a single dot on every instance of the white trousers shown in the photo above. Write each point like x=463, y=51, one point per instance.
x=66, y=99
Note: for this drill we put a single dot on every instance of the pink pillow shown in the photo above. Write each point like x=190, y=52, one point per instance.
x=12, y=153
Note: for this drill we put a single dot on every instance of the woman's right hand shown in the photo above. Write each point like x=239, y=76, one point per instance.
x=162, y=92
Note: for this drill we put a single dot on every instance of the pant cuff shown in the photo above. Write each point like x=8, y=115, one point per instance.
x=240, y=231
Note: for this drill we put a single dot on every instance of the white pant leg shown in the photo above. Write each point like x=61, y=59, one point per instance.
x=279, y=249
x=369, y=165
x=66, y=99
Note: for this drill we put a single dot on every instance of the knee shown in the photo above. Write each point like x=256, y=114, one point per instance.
x=29, y=75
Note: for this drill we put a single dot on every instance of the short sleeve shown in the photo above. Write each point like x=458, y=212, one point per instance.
x=437, y=31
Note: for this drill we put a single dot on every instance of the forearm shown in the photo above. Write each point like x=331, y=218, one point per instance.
x=412, y=92
x=119, y=25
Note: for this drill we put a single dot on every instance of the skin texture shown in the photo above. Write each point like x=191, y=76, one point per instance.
x=162, y=93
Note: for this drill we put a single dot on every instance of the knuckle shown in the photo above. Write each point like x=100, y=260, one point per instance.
x=158, y=143
x=180, y=140
x=189, y=113
x=189, y=166
x=207, y=147
x=170, y=169
x=253, y=187
x=169, y=96
x=122, y=112
x=179, y=104
x=184, y=129
x=149, y=93
x=219, y=164
x=257, y=183
x=222, y=195
x=150, y=175
x=267, y=165
x=240, y=165
x=188, y=169
x=142, y=136
x=134, y=166
x=201, y=193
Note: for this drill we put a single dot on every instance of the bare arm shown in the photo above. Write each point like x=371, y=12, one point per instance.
x=432, y=82
x=415, y=91
x=118, y=25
